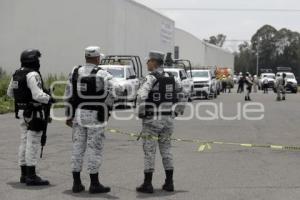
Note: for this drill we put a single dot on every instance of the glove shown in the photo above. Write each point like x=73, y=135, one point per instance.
x=69, y=123
x=52, y=100
x=141, y=111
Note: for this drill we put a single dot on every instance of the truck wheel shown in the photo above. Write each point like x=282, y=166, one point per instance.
x=208, y=96
x=295, y=91
x=213, y=95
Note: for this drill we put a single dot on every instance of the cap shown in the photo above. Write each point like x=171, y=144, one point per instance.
x=92, y=51
x=156, y=55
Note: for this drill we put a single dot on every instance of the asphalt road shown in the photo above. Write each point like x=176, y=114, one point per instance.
x=224, y=172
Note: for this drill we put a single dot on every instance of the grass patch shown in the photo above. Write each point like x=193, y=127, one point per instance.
x=7, y=104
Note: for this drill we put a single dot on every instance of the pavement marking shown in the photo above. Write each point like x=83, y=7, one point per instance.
x=203, y=145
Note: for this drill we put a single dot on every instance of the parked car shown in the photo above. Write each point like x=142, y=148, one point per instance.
x=182, y=76
x=271, y=80
x=292, y=84
x=205, y=83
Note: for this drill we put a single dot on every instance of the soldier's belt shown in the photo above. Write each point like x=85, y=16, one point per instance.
x=150, y=113
x=203, y=145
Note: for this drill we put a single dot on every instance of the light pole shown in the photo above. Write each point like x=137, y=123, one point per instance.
x=257, y=57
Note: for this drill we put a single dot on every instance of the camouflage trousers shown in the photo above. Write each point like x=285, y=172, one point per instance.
x=30, y=146
x=280, y=90
x=248, y=90
x=88, y=137
x=163, y=129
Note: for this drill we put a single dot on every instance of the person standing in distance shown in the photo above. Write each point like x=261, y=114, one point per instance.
x=265, y=84
x=156, y=99
x=281, y=83
x=255, y=84
x=89, y=93
x=27, y=89
x=241, y=82
x=249, y=84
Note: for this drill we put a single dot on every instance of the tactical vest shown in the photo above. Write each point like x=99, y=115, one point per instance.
x=163, y=92
x=248, y=82
x=22, y=93
x=85, y=90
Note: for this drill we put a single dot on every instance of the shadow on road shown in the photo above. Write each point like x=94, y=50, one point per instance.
x=20, y=186
x=88, y=196
x=159, y=193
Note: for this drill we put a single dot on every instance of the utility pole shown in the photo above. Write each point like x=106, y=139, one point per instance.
x=257, y=57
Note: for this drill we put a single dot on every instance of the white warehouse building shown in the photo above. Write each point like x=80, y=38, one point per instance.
x=62, y=29
x=200, y=53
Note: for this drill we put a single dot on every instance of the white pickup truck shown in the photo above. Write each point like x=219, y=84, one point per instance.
x=270, y=77
x=292, y=84
x=185, y=80
x=127, y=71
x=204, y=83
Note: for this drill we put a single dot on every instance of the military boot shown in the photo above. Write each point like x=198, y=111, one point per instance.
x=23, y=174
x=96, y=187
x=146, y=187
x=169, y=184
x=283, y=98
x=278, y=99
x=32, y=179
x=77, y=185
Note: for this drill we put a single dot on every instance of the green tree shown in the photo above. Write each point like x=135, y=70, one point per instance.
x=244, y=59
x=218, y=40
x=264, y=43
x=287, y=49
x=275, y=48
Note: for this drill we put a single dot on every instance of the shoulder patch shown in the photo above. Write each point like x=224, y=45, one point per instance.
x=38, y=80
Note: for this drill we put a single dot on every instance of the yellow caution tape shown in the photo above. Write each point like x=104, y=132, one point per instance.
x=277, y=147
x=246, y=145
x=203, y=145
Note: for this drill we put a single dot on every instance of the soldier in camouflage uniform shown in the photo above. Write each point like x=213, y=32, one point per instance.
x=88, y=121
x=158, y=124
x=280, y=87
x=26, y=87
x=249, y=84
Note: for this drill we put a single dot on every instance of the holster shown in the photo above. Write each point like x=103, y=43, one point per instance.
x=103, y=114
x=37, y=124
